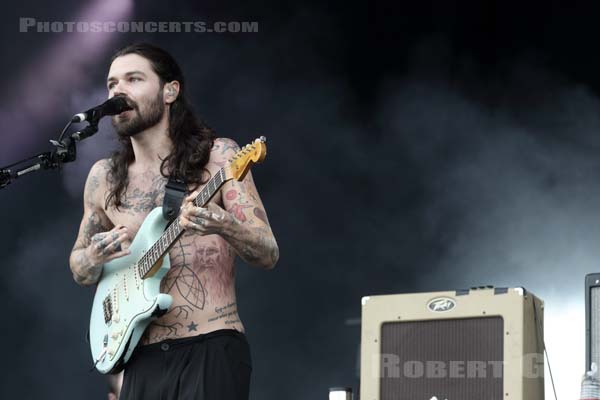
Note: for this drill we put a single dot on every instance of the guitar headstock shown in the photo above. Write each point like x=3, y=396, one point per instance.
x=248, y=155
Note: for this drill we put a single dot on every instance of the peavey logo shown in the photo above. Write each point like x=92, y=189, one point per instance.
x=441, y=304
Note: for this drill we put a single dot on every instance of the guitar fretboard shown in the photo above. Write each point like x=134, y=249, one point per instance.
x=174, y=231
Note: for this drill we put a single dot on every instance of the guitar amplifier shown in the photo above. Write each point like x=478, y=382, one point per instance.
x=592, y=320
x=479, y=344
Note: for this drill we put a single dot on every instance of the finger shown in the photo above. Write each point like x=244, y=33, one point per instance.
x=196, y=222
x=191, y=197
x=98, y=237
x=200, y=212
x=118, y=254
x=99, y=246
x=191, y=209
x=118, y=228
x=123, y=237
x=219, y=217
x=106, y=237
x=110, y=246
x=191, y=225
x=106, y=245
x=210, y=215
x=217, y=213
x=116, y=245
x=186, y=206
x=184, y=222
x=113, y=237
x=202, y=221
x=106, y=251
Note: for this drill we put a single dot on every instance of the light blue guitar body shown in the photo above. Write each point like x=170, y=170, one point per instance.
x=124, y=303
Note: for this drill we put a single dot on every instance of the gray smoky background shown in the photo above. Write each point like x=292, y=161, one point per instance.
x=410, y=148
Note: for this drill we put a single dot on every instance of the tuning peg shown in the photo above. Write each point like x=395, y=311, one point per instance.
x=263, y=139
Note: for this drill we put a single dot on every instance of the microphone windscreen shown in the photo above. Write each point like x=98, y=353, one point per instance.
x=115, y=105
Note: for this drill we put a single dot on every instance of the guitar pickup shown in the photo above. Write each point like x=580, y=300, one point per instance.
x=107, y=308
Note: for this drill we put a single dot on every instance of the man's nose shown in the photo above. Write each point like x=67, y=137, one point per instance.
x=117, y=90
x=117, y=93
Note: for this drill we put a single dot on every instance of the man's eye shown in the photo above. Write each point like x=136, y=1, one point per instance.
x=133, y=79
x=111, y=85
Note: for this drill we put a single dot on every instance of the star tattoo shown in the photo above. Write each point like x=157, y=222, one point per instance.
x=192, y=327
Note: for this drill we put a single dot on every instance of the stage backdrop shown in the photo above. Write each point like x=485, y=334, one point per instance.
x=410, y=148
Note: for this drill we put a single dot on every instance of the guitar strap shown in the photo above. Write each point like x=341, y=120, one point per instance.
x=175, y=191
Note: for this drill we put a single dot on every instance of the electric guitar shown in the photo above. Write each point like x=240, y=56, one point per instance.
x=128, y=296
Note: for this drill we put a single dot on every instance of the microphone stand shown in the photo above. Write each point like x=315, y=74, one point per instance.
x=64, y=151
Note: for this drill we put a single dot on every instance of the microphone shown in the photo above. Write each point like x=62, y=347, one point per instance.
x=112, y=106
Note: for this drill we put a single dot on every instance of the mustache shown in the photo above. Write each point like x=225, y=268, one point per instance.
x=129, y=102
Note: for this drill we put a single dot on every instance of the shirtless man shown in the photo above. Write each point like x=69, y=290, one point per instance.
x=198, y=349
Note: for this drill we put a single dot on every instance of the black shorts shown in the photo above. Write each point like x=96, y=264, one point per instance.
x=211, y=366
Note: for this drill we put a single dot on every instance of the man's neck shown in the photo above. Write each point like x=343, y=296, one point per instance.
x=151, y=146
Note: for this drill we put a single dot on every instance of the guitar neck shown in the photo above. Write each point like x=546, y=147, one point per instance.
x=157, y=251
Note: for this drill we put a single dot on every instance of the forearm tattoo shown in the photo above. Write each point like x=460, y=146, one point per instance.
x=256, y=246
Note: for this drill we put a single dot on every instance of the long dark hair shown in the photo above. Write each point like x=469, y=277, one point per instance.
x=192, y=138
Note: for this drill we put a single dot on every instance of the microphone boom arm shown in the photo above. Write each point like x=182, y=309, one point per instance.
x=65, y=150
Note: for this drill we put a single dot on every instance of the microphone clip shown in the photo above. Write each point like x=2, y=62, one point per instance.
x=5, y=177
x=86, y=132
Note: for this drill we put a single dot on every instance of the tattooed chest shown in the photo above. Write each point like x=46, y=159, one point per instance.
x=144, y=193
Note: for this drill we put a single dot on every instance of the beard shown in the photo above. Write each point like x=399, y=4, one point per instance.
x=141, y=120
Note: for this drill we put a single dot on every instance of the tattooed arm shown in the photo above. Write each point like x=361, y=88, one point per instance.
x=94, y=245
x=249, y=232
x=243, y=223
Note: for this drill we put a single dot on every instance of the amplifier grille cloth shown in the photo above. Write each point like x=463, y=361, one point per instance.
x=463, y=340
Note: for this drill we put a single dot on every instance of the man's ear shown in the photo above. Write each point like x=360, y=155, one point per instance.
x=170, y=92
